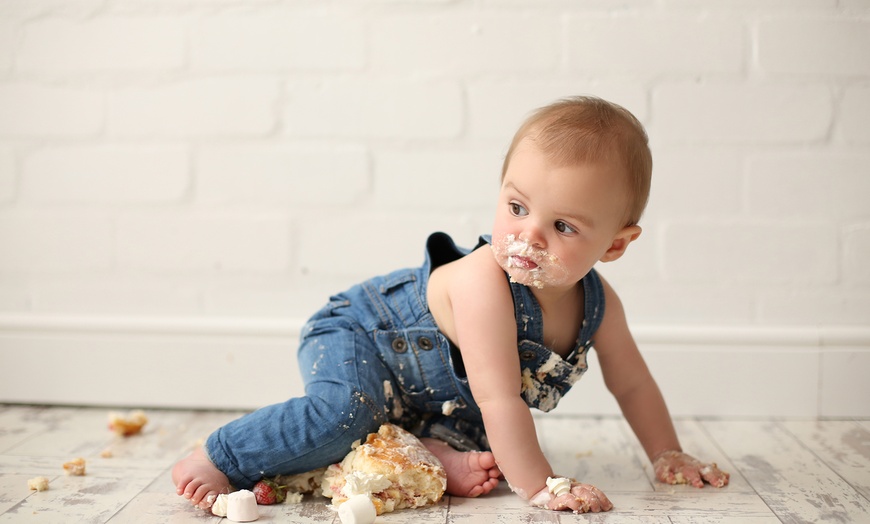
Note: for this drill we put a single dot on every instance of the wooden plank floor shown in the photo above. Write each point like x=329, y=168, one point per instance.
x=781, y=471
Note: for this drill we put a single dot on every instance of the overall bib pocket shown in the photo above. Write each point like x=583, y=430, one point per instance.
x=416, y=357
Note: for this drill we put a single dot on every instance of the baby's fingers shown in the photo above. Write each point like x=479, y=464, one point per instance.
x=690, y=474
x=577, y=504
x=583, y=498
x=566, y=501
x=598, y=501
x=665, y=473
x=714, y=476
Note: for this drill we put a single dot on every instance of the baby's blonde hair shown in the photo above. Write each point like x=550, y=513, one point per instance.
x=587, y=129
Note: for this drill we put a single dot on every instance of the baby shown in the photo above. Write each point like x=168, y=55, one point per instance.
x=457, y=350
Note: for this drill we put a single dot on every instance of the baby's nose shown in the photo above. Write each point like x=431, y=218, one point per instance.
x=533, y=236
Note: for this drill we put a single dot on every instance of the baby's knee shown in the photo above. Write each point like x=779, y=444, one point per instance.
x=363, y=413
x=347, y=409
x=346, y=424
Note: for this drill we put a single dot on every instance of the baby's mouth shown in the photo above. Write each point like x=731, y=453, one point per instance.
x=522, y=262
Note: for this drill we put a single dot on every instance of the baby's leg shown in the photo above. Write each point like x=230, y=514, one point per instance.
x=343, y=402
x=198, y=480
x=469, y=473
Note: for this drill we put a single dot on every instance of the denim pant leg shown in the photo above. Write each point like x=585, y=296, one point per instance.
x=344, y=401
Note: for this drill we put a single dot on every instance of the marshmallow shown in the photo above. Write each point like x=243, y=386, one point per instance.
x=242, y=506
x=358, y=509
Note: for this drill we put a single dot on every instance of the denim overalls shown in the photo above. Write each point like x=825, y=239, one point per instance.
x=373, y=354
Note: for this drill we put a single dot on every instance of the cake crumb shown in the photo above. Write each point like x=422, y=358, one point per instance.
x=75, y=467
x=37, y=484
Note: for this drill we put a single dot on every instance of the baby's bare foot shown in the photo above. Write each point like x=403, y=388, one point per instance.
x=469, y=474
x=198, y=480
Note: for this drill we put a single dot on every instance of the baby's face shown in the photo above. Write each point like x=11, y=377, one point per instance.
x=553, y=223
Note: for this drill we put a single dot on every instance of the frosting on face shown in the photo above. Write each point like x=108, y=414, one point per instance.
x=528, y=265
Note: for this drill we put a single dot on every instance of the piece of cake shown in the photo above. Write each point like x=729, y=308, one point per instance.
x=308, y=482
x=392, y=467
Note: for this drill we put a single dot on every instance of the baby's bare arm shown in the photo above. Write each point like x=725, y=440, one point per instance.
x=485, y=329
x=642, y=403
x=629, y=380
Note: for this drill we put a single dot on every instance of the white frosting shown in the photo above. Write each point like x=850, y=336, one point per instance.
x=219, y=505
x=447, y=408
x=362, y=483
x=358, y=509
x=242, y=506
x=541, y=499
x=389, y=396
x=527, y=264
x=559, y=485
x=538, y=388
x=518, y=491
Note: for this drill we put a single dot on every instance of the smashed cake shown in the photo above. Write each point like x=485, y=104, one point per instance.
x=392, y=467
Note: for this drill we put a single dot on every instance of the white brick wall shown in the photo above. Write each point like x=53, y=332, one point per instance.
x=37, y=244
x=464, y=43
x=224, y=106
x=108, y=43
x=282, y=176
x=656, y=45
x=364, y=107
x=277, y=40
x=854, y=115
x=751, y=113
x=113, y=175
x=250, y=157
x=36, y=111
x=836, y=48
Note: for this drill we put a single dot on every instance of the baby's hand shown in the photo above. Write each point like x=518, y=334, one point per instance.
x=675, y=467
x=568, y=494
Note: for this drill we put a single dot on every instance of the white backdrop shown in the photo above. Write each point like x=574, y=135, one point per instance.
x=182, y=182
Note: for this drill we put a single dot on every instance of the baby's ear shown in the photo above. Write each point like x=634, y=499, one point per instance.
x=620, y=243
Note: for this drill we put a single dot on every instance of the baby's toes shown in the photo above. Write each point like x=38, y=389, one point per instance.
x=199, y=497
x=208, y=500
x=190, y=491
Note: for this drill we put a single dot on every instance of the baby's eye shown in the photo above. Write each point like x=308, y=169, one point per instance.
x=562, y=227
x=518, y=210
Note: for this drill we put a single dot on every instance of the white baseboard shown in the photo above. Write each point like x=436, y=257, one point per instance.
x=246, y=363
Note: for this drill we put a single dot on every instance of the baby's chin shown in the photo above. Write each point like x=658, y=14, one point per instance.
x=535, y=278
x=528, y=282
